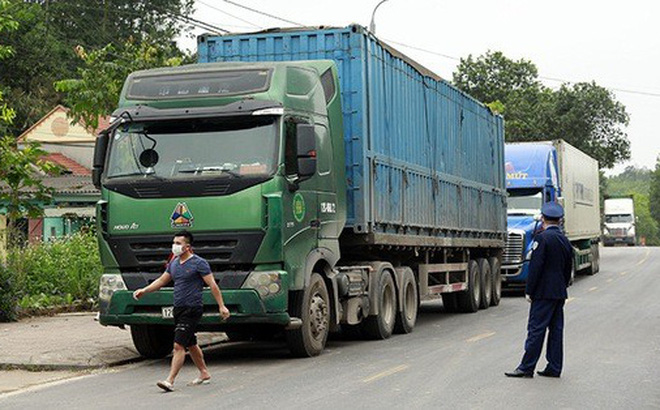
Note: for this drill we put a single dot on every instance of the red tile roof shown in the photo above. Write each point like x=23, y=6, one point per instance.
x=68, y=164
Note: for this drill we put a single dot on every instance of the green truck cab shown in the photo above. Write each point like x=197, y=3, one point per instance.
x=252, y=169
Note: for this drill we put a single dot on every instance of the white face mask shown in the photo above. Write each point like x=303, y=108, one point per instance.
x=177, y=249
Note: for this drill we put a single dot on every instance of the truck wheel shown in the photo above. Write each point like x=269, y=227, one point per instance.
x=486, y=283
x=496, y=275
x=468, y=301
x=593, y=269
x=407, y=314
x=449, y=302
x=153, y=341
x=381, y=325
x=312, y=306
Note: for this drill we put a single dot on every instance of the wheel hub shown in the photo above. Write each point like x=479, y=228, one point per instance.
x=318, y=313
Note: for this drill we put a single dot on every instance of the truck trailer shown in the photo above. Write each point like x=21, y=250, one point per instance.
x=619, y=222
x=331, y=182
x=550, y=171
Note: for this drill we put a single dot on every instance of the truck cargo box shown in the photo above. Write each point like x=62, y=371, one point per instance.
x=580, y=190
x=424, y=161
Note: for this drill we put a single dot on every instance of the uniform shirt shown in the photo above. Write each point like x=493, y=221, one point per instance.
x=188, y=282
x=550, y=266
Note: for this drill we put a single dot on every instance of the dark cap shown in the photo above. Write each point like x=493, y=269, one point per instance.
x=552, y=210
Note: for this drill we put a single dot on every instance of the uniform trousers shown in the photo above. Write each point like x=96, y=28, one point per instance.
x=544, y=314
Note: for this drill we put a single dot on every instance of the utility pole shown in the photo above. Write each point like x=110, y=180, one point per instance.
x=372, y=25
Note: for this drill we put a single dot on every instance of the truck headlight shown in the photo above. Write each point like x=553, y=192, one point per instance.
x=266, y=283
x=110, y=283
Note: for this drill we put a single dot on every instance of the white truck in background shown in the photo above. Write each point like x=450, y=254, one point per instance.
x=619, y=222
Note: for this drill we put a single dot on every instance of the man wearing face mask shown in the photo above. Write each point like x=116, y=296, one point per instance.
x=190, y=273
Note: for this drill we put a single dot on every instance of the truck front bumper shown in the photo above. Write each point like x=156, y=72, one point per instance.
x=514, y=275
x=245, y=305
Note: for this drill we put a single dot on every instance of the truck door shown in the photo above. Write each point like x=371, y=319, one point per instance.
x=327, y=192
x=300, y=201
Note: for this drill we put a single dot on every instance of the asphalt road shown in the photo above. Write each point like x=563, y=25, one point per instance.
x=612, y=360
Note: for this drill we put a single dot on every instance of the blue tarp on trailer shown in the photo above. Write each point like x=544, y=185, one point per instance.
x=422, y=157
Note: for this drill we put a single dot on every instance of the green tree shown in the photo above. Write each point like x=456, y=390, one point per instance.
x=654, y=193
x=23, y=190
x=96, y=91
x=509, y=87
x=590, y=118
x=50, y=31
x=585, y=115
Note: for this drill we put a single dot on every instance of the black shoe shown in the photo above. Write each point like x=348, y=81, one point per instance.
x=547, y=373
x=519, y=373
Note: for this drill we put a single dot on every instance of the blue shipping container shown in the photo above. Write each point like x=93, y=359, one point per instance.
x=422, y=157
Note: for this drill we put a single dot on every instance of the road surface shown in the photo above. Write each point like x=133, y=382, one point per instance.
x=612, y=360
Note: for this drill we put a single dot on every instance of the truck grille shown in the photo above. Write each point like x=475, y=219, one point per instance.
x=618, y=231
x=150, y=253
x=513, y=251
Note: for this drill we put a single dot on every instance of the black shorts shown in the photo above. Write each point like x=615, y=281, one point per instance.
x=186, y=319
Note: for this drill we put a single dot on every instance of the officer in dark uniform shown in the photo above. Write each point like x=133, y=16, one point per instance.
x=549, y=276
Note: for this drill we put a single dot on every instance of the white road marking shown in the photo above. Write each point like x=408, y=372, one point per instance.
x=648, y=252
x=624, y=273
x=569, y=300
x=610, y=280
x=592, y=289
x=385, y=373
x=480, y=337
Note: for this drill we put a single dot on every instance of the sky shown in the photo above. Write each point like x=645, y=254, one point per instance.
x=615, y=44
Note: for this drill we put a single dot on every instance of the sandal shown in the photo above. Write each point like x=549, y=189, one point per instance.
x=198, y=381
x=165, y=385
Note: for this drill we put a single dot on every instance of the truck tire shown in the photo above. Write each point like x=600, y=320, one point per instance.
x=380, y=326
x=486, y=283
x=312, y=306
x=496, y=275
x=468, y=300
x=153, y=341
x=407, y=315
x=449, y=302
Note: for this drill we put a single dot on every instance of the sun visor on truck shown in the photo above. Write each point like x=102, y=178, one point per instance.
x=530, y=165
x=243, y=107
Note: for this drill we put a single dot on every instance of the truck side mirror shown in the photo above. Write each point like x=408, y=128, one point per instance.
x=100, y=148
x=306, y=150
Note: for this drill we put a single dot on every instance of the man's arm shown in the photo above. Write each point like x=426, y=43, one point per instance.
x=163, y=280
x=535, y=266
x=215, y=291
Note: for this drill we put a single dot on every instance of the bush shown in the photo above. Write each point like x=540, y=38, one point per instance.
x=58, y=273
x=9, y=295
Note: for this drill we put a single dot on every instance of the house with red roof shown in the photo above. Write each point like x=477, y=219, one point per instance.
x=72, y=148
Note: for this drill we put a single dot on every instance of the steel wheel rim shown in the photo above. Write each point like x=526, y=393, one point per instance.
x=387, y=304
x=410, y=303
x=318, y=314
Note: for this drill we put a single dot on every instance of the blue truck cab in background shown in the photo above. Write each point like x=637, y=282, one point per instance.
x=550, y=171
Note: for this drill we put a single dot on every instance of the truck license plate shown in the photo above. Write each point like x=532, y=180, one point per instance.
x=168, y=312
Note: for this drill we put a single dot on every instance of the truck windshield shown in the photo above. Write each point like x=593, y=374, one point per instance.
x=618, y=219
x=233, y=148
x=528, y=204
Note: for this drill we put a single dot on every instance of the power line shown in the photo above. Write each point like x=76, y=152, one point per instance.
x=422, y=49
x=263, y=13
x=621, y=90
x=229, y=14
